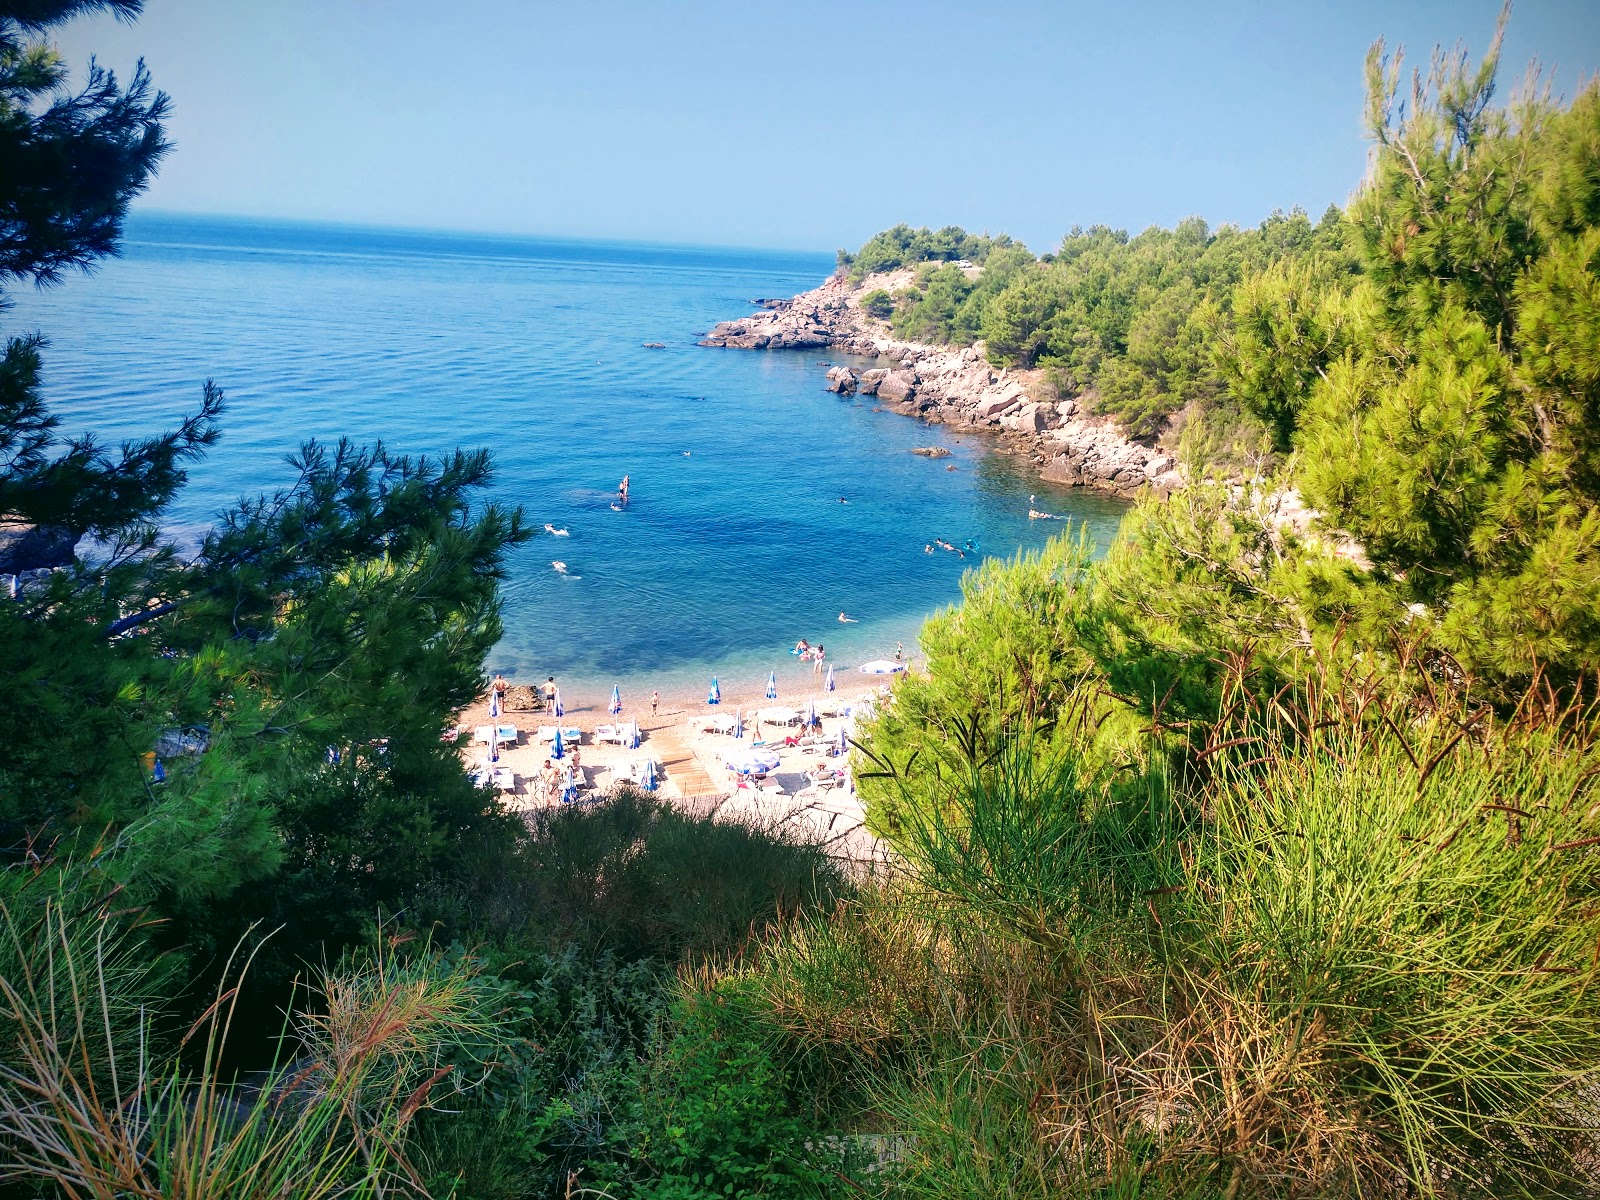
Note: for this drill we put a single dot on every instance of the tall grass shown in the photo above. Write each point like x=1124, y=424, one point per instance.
x=1345, y=950
x=90, y=1107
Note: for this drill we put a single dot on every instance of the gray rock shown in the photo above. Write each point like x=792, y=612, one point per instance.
x=842, y=380
x=26, y=547
x=897, y=385
x=931, y=451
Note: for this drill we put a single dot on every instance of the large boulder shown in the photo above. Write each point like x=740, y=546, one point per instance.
x=871, y=379
x=991, y=408
x=842, y=380
x=26, y=547
x=897, y=385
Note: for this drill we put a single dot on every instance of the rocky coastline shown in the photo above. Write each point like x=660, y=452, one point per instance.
x=955, y=386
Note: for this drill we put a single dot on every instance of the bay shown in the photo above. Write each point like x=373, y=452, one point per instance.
x=762, y=506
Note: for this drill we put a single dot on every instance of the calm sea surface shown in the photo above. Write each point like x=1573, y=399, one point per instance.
x=735, y=543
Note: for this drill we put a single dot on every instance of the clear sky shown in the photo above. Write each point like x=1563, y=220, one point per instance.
x=805, y=125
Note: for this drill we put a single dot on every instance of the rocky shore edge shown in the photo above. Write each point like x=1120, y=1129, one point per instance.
x=954, y=386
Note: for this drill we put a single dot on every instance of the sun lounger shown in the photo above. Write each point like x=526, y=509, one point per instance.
x=569, y=733
x=507, y=734
x=504, y=778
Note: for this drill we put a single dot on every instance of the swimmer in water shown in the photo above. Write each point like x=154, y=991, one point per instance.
x=842, y=500
x=622, y=490
x=928, y=549
x=842, y=617
x=554, y=532
x=687, y=453
x=559, y=565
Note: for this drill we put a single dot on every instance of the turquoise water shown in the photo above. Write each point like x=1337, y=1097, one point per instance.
x=735, y=542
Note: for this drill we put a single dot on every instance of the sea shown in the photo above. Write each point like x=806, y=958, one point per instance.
x=762, y=507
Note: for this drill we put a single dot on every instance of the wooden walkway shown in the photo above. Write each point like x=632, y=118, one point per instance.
x=684, y=771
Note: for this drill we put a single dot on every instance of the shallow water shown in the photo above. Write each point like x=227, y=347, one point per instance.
x=735, y=541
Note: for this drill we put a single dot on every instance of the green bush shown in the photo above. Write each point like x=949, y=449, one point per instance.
x=878, y=303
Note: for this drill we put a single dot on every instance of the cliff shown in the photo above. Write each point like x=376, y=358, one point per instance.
x=956, y=386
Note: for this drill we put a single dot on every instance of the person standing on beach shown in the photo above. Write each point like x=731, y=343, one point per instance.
x=899, y=651
x=550, y=692
x=500, y=686
x=655, y=699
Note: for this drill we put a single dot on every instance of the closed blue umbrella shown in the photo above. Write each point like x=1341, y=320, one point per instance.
x=650, y=783
x=494, y=743
x=159, y=773
x=560, y=709
x=738, y=724
x=494, y=704
x=844, y=743
x=714, y=696
x=557, y=751
x=811, y=713
x=772, y=686
x=633, y=736
x=616, y=699
x=569, y=787
x=827, y=684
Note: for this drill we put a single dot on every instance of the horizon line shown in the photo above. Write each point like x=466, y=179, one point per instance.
x=437, y=230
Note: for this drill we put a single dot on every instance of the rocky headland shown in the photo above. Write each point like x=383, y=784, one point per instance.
x=955, y=386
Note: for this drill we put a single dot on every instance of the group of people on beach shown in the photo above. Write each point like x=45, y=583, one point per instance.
x=810, y=653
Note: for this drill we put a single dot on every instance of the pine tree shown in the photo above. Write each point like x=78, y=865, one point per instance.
x=295, y=672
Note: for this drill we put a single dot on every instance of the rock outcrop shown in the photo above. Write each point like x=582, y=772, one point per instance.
x=956, y=386
x=26, y=547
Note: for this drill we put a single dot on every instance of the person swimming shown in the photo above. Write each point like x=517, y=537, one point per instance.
x=554, y=532
x=802, y=647
x=842, y=617
x=560, y=566
x=622, y=490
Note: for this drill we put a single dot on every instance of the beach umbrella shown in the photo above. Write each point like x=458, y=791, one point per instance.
x=557, y=751
x=616, y=699
x=569, y=788
x=772, y=686
x=559, y=708
x=811, y=713
x=738, y=723
x=494, y=704
x=827, y=685
x=714, y=696
x=650, y=783
x=494, y=744
x=844, y=743
x=633, y=736
x=881, y=666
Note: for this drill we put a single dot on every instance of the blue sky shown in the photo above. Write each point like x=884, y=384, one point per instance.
x=787, y=125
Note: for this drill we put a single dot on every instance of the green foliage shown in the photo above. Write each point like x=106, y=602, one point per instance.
x=294, y=671
x=1342, y=949
x=903, y=246
x=878, y=303
x=1134, y=323
x=90, y=1105
x=643, y=880
x=1444, y=404
x=713, y=1118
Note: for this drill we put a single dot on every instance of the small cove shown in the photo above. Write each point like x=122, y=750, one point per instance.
x=735, y=542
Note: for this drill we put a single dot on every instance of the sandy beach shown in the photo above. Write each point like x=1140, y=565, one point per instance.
x=805, y=785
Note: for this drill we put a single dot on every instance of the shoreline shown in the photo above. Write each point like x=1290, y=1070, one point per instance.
x=694, y=762
x=955, y=386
